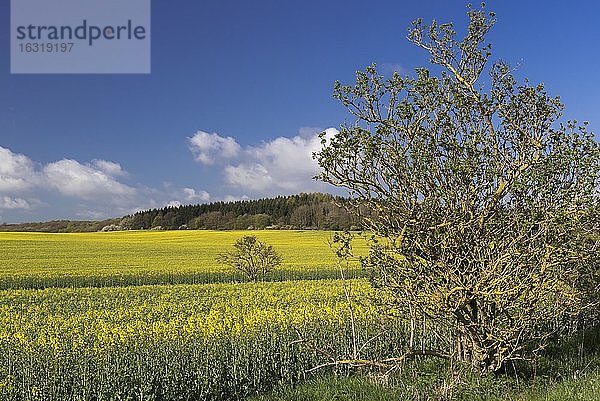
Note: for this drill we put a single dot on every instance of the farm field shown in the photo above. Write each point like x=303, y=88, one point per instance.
x=152, y=316
x=39, y=260
x=78, y=321
x=202, y=341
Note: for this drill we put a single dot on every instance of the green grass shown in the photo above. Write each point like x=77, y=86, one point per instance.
x=584, y=388
x=330, y=388
x=440, y=387
x=568, y=371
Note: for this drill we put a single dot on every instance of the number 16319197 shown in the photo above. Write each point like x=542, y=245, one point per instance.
x=35, y=47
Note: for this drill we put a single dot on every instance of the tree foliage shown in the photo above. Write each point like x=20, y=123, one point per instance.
x=484, y=204
x=60, y=226
x=302, y=211
x=252, y=257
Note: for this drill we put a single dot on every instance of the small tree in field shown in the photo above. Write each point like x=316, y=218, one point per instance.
x=252, y=257
x=483, y=206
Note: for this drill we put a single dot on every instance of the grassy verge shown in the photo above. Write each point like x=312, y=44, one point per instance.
x=570, y=371
x=585, y=387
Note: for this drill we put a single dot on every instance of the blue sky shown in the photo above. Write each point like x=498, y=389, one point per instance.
x=237, y=92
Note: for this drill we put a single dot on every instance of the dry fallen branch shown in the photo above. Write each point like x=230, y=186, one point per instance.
x=388, y=363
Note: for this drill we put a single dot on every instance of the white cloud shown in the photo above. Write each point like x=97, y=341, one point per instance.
x=9, y=203
x=95, y=180
x=233, y=198
x=191, y=195
x=187, y=196
x=95, y=214
x=71, y=178
x=288, y=162
x=207, y=148
x=280, y=165
x=111, y=168
x=254, y=177
x=17, y=172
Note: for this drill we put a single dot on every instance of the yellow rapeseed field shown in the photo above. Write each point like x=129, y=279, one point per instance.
x=39, y=260
x=131, y=316
x=204, y=340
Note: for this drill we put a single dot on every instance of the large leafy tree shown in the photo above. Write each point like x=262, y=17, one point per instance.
x=482, y=202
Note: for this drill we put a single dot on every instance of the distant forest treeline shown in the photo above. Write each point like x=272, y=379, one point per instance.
x=60, y=226
x=304, y=211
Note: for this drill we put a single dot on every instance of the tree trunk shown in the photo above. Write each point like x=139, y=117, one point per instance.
x=481, y=355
